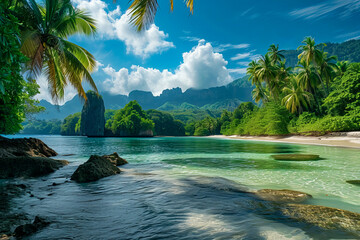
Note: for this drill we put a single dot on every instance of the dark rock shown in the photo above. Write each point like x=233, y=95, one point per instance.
x=92, y=116
x=28, y=147
x=115, y=159
x=30, y=228
x=354, y=182
x=95, y=168
x=296, y=157
x=283, y=195
x=11, y=167
x=324, y=217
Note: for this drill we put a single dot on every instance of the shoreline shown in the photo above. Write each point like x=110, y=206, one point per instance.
x=346, y=140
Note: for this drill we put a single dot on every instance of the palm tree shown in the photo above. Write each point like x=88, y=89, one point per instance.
x=44, y=42
x=259, y=94
x=342, y=67
x=296, y=99
x=251, y=71
x=275, y=54
x=328, y=69
x=311, y=52
x=266, y=72
x=143, y=11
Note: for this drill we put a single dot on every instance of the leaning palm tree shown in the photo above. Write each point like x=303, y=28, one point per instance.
x=275, y=54
x=252, y=72
x=296, y=99
x=44, y=42
x=260, y=94
x=142, y=12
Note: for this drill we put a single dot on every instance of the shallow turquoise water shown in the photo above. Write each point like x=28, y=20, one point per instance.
x=188, y=188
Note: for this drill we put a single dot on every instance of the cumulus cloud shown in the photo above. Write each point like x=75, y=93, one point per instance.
x=201, y=68
x=115, y=25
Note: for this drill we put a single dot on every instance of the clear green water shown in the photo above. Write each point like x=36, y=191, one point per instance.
x=177, y=188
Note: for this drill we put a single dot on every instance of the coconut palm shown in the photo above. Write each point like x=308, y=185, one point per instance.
x=296, y=99
x=311, y=52
x=44, y=42
x=259, y=94
x=251, y=71
x=342, y=67
x=266, y=72
x=328, y=69
x=142, y=12
x=275, y=54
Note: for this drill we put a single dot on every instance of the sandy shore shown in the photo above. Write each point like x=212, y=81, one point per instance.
x=349, y=140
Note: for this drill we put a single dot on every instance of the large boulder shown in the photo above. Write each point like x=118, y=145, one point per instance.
x=115, y=159
x=11, y=167
x=95, y=168
x=31, y=147
x=92, y=116
x=30, y=228
x=283, y=195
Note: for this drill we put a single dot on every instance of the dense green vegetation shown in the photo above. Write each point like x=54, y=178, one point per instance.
x=15, y=93
x=71, y=125
x=129, y=121
x=165, y=124
x=319, y=95
x=52, y=127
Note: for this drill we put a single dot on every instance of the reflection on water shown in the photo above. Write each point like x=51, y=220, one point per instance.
x=188, y=188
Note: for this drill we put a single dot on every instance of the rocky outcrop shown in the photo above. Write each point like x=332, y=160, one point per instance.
x=282, y=196
x=11, y=167
x=354, y=182
x=324, y=217
x=92, y=116
x=28, y=147
x=95, y=168
x=26, y=157
x=296, y=157
x=30, y=228
x=115, y=159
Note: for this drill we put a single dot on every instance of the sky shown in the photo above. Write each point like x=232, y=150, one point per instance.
x=208, y=48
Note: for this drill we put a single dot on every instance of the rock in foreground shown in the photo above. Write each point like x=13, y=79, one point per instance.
x=24, y=147
x=30, y=228
x=282, y=196
x=11, y=167
x=115, y=159
x=324, y=217
x=95, y=168
x=296, y=157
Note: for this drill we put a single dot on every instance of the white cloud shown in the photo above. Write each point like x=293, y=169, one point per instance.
x=238, y=70
x=201, y=68
x=115, y=25
x=70, y=92
x=345, y=8
x=240, y=56
x=98, y=64
x=191, y=39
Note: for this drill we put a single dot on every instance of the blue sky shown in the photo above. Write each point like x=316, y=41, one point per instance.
x=209, y=48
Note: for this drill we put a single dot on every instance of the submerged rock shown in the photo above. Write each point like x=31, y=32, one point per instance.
x=30, y=228
x=324, y=217
x=354, y=182
x=24, y=147
x=283, y=195
x=11, y=167
x=115, y=159
x=296, y=157
x=92, y=116
x=95, y=168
